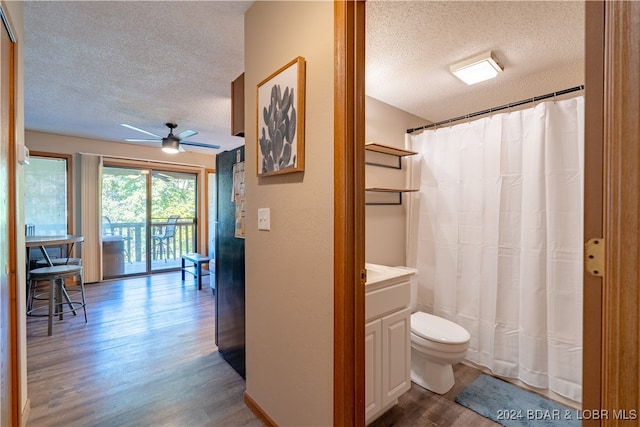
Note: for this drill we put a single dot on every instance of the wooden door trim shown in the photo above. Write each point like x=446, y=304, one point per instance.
x=13, y=250
x=348, y=378
x=15, y=367
x=593, y=199
x=621, y=294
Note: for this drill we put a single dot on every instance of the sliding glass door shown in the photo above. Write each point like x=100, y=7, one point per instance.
x=124, y=221
x=148, y=219
x=173, y=218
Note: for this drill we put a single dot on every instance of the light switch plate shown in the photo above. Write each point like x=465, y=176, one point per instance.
x=264, y=219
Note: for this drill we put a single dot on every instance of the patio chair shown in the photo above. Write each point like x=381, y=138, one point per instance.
x=162, y=242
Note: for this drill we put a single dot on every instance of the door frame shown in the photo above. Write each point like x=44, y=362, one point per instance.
x=10, y=357
x=611, y=356
x=620, y=365
x=593, y=209
x=349, y=214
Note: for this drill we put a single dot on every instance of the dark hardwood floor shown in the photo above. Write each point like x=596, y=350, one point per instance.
x=146, y=357
x=420, y=407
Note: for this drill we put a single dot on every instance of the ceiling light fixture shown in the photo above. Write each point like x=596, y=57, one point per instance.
x=170, y=145
x=477, y=69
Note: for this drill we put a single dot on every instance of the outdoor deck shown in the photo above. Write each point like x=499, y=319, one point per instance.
x=129, y=256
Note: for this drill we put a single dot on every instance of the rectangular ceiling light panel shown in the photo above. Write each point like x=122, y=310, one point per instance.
x=477, y=69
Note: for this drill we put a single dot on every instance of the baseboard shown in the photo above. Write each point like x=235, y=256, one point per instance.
x=258, y=411
x=24, y=417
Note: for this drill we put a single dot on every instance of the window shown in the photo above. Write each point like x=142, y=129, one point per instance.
x=46, y=198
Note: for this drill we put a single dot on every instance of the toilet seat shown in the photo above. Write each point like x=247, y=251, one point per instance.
x=437, y=329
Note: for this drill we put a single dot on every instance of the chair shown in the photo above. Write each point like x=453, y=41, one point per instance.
x=161, y=241
x=57, y=256
x=57, y=294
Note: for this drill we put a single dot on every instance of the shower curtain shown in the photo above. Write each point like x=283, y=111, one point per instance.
x=496, y=235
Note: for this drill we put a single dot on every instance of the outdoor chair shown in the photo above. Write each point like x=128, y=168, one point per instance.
x=162, y=242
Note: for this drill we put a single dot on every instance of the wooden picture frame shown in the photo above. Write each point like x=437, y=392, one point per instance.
x=280, y=120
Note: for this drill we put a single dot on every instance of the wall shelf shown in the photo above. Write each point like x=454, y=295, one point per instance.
x=387, y=150
x=397, y=191
x=391, y=190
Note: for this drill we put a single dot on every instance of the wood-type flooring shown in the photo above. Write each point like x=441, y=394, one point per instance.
x=420, y=407
x=147, y=357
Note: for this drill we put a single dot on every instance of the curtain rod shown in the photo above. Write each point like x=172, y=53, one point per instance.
x=147, y=161
x=502, y=107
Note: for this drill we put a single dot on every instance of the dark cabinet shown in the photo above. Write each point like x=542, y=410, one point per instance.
x=237, y=106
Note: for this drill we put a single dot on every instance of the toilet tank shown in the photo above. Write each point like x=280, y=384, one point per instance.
x=414, y=286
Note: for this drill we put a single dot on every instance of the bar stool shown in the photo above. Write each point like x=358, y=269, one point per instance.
x=59, y=261
x=57, y=291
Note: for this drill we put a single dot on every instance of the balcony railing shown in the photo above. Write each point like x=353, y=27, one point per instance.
x=134, y=237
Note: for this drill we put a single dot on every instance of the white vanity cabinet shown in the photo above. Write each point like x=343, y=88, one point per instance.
x=387, y=342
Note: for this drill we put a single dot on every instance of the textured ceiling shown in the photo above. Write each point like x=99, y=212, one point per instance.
x=91, y=65
x=410, y=46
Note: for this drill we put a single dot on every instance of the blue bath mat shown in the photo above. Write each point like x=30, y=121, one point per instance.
x=512, y=406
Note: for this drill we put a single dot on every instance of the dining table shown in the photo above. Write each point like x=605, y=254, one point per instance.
x=56, y=240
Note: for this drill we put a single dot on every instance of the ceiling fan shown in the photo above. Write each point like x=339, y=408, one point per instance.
x=171, y=143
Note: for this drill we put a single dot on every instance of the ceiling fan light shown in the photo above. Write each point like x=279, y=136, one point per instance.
x=477, y=69
x=170, y=145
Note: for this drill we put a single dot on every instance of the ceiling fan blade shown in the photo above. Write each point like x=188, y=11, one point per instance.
x=200, y=144
x=186, y=134
x=139, y=130
x=142, y=140
x=180, y=149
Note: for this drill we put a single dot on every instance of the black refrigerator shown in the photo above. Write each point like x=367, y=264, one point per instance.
x=230, y=320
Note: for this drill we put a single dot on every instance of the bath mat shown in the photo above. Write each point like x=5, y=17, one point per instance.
x=512, y=406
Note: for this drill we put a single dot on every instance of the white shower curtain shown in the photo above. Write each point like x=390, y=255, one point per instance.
x=498, y=239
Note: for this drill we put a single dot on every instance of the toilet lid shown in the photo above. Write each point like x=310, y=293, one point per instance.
x=437, y=329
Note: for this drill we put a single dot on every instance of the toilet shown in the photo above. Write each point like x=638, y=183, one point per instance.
x=436, y=345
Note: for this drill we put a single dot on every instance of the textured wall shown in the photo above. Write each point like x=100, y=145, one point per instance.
x=289, y=270
x=386, y=225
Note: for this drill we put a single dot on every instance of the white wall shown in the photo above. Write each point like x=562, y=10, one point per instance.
x=386, y=225
x=289, y=270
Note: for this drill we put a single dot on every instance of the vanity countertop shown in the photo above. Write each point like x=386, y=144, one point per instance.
x=379, y=276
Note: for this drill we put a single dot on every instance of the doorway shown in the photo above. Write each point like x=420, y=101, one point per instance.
x=149, y=219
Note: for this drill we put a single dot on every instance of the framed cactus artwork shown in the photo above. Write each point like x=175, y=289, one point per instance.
x=280, y=103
